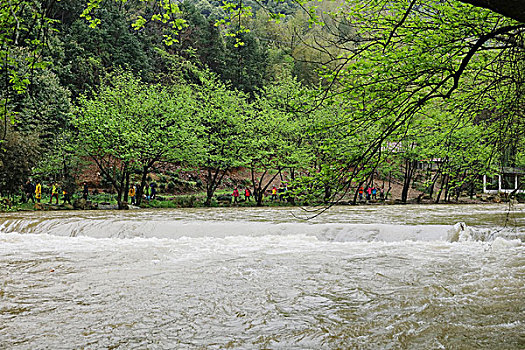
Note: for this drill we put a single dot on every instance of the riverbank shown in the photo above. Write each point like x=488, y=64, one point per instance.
x=105, y=202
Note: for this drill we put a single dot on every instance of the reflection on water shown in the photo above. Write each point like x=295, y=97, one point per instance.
x=355, y=277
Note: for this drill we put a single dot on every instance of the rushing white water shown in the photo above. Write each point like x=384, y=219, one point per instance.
x=421, y=277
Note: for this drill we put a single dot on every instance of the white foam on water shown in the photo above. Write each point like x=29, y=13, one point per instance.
x=175, y=229
x=501, y=243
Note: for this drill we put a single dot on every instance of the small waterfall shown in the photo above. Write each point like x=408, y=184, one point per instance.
x=169, y=228
x=460, y=232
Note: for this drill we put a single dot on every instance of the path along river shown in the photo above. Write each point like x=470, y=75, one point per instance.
x=377, y=277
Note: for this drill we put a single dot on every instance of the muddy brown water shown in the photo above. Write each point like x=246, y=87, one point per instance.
x=383, y=277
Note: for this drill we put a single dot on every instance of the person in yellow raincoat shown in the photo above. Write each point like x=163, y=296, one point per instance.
x=38, y=192
x=54, y=192
x=131, y=194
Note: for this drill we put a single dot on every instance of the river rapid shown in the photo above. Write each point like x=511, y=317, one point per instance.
x=374, y=277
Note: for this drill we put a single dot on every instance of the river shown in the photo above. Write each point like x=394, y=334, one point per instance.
x=367, y=277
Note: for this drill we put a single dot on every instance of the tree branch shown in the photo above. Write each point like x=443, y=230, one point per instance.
x=464, y=63
x=412, y=3
x=514, y=9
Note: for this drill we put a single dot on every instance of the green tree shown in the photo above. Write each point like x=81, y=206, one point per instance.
x=18, y=155
x=85, y=53
x=245, y=63
x=24, y=29
x=221, y=132
x=407, y=55
x=200, y=39
x=44, y=108
x=129, y=124
x=276, y=134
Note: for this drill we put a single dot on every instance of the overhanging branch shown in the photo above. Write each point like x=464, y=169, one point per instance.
x=466, y=60
x=514, y=9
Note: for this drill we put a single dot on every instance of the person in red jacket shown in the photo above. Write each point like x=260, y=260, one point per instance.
x=368, y=193
x=247, y=194
x=235, y=195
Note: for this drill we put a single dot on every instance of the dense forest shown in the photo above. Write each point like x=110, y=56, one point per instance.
x=329, y=95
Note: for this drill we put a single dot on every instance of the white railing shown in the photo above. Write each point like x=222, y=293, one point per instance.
x=500, y=187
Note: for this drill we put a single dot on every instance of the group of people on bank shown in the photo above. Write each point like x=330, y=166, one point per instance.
x=150, y=192
x=370, y=193
x=236, y=195
x=276, y=194
x=33, y=192
x=280, y=194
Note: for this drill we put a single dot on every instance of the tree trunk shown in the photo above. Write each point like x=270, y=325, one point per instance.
x=443, y=177
x=409, y=171
x=213, y=180
x=447, y=190
x=458, y=190
x=327, y=193
x=121, y=188
x=126, y=188
x=140, y=190
x=354, y=201
x=471, y=194
x=433, y=184
x=258, y=187
x=257, y=195
x=260, y=190
x=209, y=188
